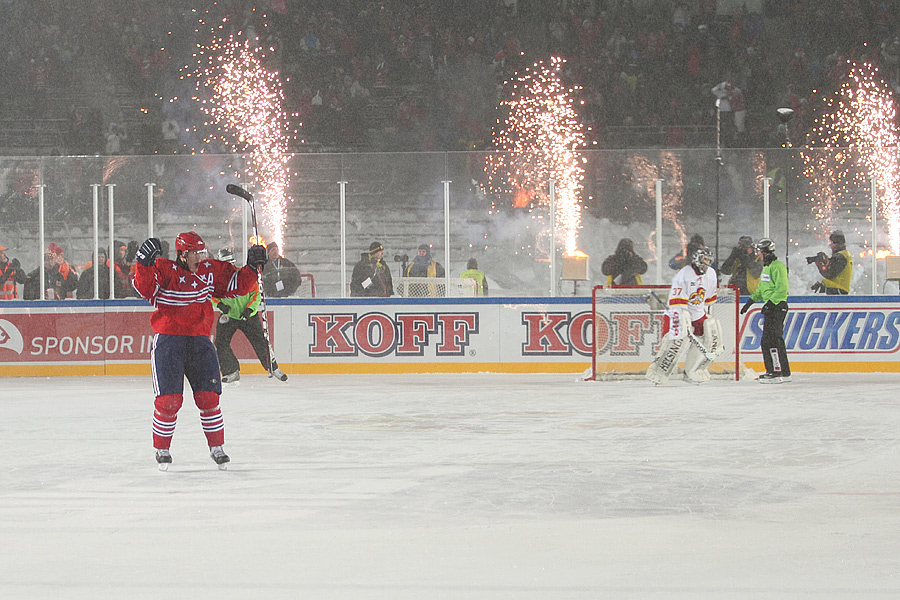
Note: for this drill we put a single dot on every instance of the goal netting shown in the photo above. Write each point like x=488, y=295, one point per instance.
x=628, y=323
x=435, y=287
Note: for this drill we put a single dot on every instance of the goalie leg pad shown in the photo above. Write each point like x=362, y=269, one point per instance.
x=662, y=367
x=704, y=351
x=695, y=365
x=712, y=338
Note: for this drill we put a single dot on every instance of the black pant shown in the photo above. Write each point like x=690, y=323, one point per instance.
x=253, y=330
x=773, y=337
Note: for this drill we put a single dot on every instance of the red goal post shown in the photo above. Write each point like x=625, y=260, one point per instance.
x=627, y=326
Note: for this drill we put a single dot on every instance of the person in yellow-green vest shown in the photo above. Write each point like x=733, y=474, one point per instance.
x=837, y=270
x=744, y=266
x=624, y=267
x=472, y=272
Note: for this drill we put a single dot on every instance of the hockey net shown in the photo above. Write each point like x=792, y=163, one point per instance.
x=435, y=287
x=627, y=326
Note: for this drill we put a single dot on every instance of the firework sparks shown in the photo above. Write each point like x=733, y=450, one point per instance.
x=645, y=173
x=243, y=101
x=859, y=130
x=539, y=142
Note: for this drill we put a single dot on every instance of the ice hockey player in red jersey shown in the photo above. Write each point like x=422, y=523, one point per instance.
x=181, y=291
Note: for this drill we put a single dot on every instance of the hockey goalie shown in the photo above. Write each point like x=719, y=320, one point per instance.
x=688, y=332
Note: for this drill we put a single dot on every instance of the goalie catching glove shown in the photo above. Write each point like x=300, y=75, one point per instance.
x=149, y=251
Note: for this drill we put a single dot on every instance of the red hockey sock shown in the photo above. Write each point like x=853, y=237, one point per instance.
x=211, y=417
x=164, y=418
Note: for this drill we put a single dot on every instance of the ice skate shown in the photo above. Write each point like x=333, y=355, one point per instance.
x=163, y=459
x=770, y=378
x=219, y=456
x=232, y=377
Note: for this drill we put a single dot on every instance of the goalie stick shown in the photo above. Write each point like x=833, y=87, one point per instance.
x=237, y=190
x=709, y=355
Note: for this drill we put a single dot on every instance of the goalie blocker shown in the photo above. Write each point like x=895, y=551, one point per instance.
x=629, y=342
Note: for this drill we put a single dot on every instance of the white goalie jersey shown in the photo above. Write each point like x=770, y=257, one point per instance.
x=692, y=292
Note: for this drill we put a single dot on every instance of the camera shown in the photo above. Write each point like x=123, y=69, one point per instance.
x=401, y=258
x=820, y=257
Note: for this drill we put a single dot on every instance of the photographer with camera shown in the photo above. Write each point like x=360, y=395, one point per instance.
x=743, y=266
x=624, y=267
x=371, y=276
x=836, y=271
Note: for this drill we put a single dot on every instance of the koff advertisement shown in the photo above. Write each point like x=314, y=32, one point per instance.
x=538, y=335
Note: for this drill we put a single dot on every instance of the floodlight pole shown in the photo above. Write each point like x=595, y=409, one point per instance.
x=718, y=174
x=785, y=115
x=659, y=254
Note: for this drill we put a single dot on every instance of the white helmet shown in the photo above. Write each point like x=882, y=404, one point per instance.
x=765, y=245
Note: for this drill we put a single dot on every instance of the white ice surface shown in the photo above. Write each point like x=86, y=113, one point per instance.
x=456, y=486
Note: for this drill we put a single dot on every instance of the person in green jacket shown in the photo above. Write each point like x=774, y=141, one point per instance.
x=241, y=313
x=773, y=290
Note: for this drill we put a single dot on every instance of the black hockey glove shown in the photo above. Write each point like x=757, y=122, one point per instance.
x=149, y=251
x=747, y=306
x=246, y=313
x=257, y=258
x=222, y=307
x=15, y=264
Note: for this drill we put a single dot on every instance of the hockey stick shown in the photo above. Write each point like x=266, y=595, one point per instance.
x=709, y=355
x=237, y=190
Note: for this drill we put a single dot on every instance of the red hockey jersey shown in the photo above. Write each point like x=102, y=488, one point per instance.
x=182, y=298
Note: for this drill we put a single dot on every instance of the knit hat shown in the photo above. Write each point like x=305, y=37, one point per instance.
x=837, y=236
x=53, y=248
x=625, y=244
x=375, y=247
x=745, y=241
x=425, y=247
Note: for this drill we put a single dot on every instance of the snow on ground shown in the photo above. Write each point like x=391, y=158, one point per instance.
x=456, y=486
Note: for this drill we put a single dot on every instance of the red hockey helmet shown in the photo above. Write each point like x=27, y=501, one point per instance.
x=189, y=242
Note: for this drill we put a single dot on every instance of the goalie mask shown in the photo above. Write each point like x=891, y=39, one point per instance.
x=701, y=259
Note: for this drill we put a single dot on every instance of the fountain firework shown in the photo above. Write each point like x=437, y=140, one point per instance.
x=539, y=141
x=243, y=101
x=855, y=139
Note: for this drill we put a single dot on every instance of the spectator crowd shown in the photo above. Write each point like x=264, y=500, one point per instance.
x=418, y=75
